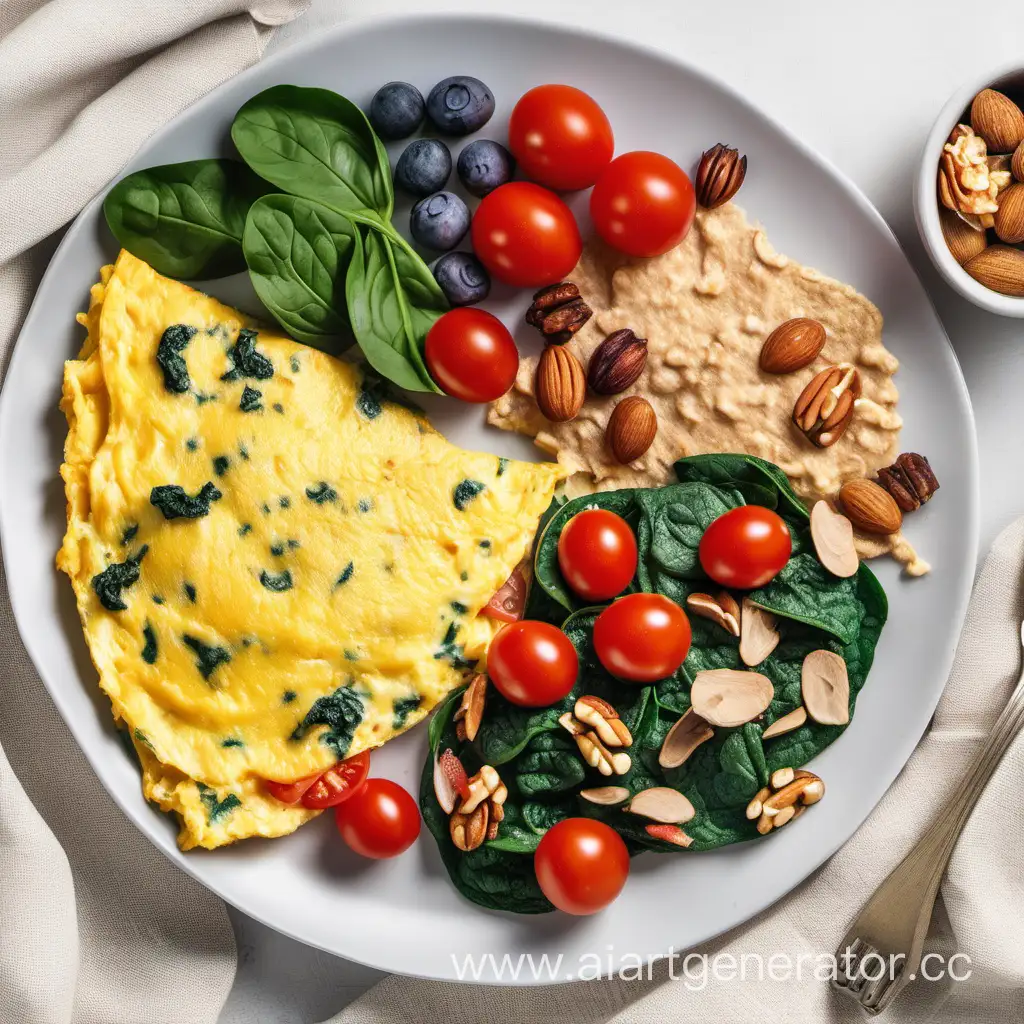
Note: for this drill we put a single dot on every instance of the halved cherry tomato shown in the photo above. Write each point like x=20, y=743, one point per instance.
x=560, y=137
x=290, y=792
x=642, y=637
x=338, y=784
x=526, y=236
x=380, y=820
x=532, y=664
x=471, y=355
x=597, y=554
x=510, y=599
x=643, y=204
x=745, y=548
x=581, y=865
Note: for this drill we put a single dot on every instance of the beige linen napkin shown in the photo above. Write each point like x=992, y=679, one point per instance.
x=95, y=924
x=981, y=912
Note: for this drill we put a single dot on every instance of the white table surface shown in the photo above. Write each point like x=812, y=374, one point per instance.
x=861, y=83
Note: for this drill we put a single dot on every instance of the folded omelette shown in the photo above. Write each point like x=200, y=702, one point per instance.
x=276, y=565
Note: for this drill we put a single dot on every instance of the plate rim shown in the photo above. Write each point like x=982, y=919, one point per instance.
x=649, y=52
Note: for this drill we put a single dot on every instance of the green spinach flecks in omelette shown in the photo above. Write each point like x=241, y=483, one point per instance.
x=221, y=463
x=465, y=491
x=117, y=577
x=246, y=361
x=345, y=575
x=341, y=712
x=278, y=582
x=149, y=649
x=217, y=809
x=130, y=533
x=176, y=503
x=251, y=400
x=208, y=656
x=173, y=342
x=402, y=708
x=321, y=493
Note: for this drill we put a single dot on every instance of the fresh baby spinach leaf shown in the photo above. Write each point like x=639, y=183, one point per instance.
x=185, y=220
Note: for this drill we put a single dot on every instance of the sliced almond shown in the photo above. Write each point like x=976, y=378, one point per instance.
x=470, y=712
x=720, y=608
x=683, y=739
x=727, y=698
x=787, y=723
x=662, y=804
x=833, y=540
x=825, y=686
x=758, y=635
x=605, y=796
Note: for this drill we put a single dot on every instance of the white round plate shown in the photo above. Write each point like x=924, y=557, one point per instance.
x=404, y=915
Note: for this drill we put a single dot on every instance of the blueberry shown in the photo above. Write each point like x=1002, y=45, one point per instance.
x=424, y=167
x=462, y=278
x=396, y=110
x=460, y=105
x=440, y=221
x=484, y=165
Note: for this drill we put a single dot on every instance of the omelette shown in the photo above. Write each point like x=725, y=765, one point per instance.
x=277, y=565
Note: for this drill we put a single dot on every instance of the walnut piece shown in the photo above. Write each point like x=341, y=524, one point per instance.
x=969, y=180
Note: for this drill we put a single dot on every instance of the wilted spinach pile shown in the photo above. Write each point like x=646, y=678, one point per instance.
x=309, y=213
x=538, y=760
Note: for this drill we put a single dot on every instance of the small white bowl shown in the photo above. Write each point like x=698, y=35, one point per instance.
x=926, y=200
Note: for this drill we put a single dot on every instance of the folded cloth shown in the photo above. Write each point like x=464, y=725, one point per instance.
x=980, y=913
x=95, y=925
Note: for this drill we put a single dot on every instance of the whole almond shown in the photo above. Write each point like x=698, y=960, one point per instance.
x=1017, y=164
x=1010, y=215
x=1000, y=268
x=998, y=120
x=631, y=428
x=870, y=507
x=963, y=241
x=793, y=345
x=617, y=362
x=560, y=385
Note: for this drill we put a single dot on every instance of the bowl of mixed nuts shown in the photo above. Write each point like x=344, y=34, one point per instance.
x=969, y=192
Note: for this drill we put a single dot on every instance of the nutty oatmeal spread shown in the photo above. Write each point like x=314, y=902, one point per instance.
x=706, y=308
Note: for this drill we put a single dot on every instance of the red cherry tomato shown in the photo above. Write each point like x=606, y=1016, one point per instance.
x=380, y=819
x=533, y=664
x=471, y=355
x=643, y=204
x=581, y=865
x=560, y=137
x=338, y=784
x=597, y=554
x=526, y=236
x=642, y=637
x=289, y=792
x=510, y=599
x=745, y=548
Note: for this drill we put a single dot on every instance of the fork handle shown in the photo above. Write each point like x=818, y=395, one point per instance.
x=897, y=916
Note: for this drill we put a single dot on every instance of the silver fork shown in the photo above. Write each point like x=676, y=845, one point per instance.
x=881, y=953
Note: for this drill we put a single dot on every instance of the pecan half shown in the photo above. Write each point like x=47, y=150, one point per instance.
x=719, y=175
x=909, y=480
x=617, y=362
x=558, y=312
x=825, y=407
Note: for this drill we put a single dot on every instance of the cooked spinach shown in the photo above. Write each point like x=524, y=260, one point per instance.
x=345, y=576
x=341, y=711
x=465, y=491
x=185, y=220
x=251, y=400
x=452, y=652
x=173, y=342
x=175, y=503
x=208, y=656
x=321, y=493
x=149, y=648
x=298, y=254
x=538, y=761
x=216, y=809
x=402, y=707
x=129, y=534
x=369, y=400
x=246, y=361
x=278, y=582
x=221, y=463
x=232, y=742
x=190, y=592
x=116, y=578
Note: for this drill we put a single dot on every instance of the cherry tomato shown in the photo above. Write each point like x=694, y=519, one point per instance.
x=339, y=783
x=643, y=204
x=510, y=599
x=597, y=554
x=745, y=548
x=560, y=137
x=526, y=236
x=380, y=819
x=581, y=865
x=290, y=792
x=471, y=355
x=533, y=664
x=642, y=637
